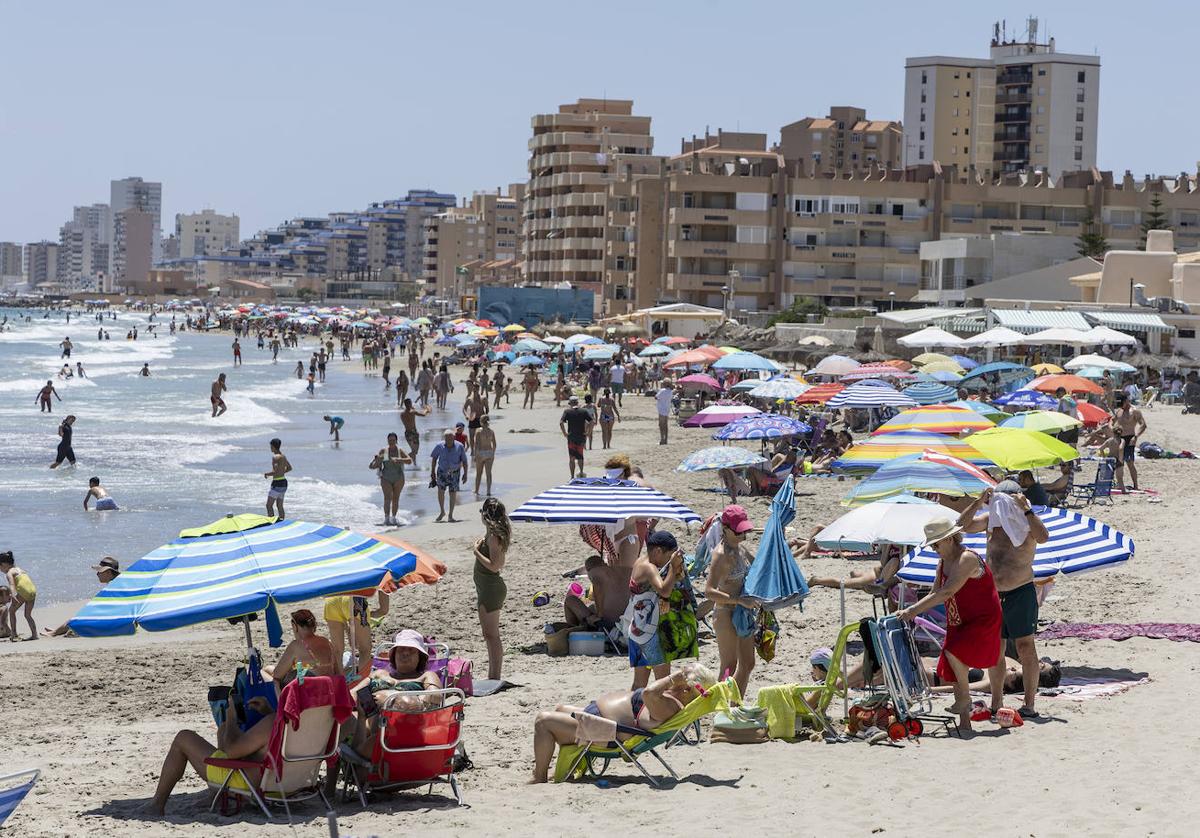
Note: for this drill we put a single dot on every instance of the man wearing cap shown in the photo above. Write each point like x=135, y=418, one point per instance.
x=448, y=462
x=649, y=586
x=733, y=615
x=575, y=424
x=1013, y=533
x=107, y=569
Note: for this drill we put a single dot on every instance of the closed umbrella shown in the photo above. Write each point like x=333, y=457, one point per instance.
x=718, y=457
x=774, y=579
x=874, y=451
x=910, y=474
x=894, y=520
x=763, y=426
x=1014, y=449
x=1077, y=543
x=592, y=500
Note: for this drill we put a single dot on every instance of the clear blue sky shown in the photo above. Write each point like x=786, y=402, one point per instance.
x=276, y=109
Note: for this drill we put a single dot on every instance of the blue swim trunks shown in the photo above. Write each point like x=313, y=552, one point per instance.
x=649, y=654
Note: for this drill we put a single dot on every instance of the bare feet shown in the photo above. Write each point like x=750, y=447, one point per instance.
x=452, y=520
x=439, y=518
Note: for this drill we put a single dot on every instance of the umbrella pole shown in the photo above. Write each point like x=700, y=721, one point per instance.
x=845, y=672
x=249, y=640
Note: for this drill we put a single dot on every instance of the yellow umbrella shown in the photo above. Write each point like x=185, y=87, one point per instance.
x=931, y=358
x=513, y=327
x=484, y=333
x=728, y=349
x=1015, y=448
x=947, y=365
x=1047, y=369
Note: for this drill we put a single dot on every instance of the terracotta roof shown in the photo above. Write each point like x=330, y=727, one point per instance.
x=821, y=124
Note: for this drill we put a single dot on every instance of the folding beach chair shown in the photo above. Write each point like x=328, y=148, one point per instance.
x=13, y=788
x=1100, y=489
x=414, y=747
x=904, y=678
x=592, y=759
x=786, y=703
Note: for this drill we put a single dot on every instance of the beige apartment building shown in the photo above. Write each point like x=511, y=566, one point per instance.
x=573, y=158
x=845, y=139
x=134, y=233
x=206, y=233
x=1025, y=107
x=485, y=230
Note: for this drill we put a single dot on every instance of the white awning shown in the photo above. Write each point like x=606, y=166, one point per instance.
x=1126, y=321
x=919, y=316
x=1035, y=320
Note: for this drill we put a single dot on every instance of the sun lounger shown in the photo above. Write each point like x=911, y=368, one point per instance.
x=592, y=760
x=785, y=703
x=13, y=788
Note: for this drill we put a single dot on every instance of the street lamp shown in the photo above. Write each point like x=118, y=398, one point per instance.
x=891, y=300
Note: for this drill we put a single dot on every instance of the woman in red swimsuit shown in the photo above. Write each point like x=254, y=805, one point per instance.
x=964, y=582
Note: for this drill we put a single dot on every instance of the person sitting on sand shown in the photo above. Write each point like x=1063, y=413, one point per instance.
x=308, y=652
x=610, y=597
x=106, y=570
x=646, y=708
x=104, y=501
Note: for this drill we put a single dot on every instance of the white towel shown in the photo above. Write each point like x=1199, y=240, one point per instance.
x=1004, y=512
x=589, y=728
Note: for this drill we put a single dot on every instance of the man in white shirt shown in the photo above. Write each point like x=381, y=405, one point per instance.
x=663, y=400
x=617, y=380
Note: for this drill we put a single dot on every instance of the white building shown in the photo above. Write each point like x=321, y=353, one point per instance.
x=84, y=246
x=206, y=233
x=146, y=196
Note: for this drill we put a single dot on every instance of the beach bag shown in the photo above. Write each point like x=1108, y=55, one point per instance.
x=456, y=673
x=1150, y=451
x=678, y=628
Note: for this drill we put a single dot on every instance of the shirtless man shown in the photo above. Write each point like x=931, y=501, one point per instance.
x=43, y=397
x=474, y=409
x=610, y=596
x=104, y=501
x=218, y=403
x=1013, y=533
x=1131, y=425
x=408, y=418
x=279, y=468
x=66, y=348
x=237, y=353
x=498, y=384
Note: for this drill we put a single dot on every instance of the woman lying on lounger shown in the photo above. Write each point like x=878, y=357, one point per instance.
x=646, y=708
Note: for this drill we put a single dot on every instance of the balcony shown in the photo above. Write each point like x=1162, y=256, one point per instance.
x=1020, y=115
x=1012, y=155
x=1023, y=76
x=1019, y=134
x=717, y=250
x=1014, y=97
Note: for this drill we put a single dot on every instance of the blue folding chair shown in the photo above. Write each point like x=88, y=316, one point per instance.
x=1100, y=489
x=11, y=795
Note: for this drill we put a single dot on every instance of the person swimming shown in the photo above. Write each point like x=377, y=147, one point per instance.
x=104, y=501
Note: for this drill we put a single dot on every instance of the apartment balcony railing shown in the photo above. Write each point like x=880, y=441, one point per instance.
x=1021, y=115
x=1014, y=77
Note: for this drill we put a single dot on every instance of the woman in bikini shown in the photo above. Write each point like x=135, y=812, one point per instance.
x=308, y=652
x=733, y=615
x=608, y=415
x=647, y=708
x=390, y=463
x=485, y=453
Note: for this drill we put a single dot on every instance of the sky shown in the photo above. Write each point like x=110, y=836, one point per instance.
x=273, y=110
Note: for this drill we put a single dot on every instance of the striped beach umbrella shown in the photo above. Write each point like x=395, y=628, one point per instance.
x=873, y=452
x=718, y=457
x=820, y=393
x=238, y=566
x=779, y=388
x=763, y=426
x=869, y=395
x=1077, y=543
x=596, y=500
x=936, y=419
x=911, y=474
x=930, y=392
x=886, y=371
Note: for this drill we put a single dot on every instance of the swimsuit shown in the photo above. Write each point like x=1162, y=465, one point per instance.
x=278, y=487
x=392, y=470
x=490, y=589
x=106, y=504
x=26, y=591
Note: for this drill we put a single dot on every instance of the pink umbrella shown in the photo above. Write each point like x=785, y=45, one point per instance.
x=719, y=415
x=878, y=371
x=699, y=379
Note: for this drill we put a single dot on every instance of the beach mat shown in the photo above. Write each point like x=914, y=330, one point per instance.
x=1121, y=631
x=486, y=686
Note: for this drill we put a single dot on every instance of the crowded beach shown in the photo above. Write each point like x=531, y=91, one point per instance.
x=720, y=574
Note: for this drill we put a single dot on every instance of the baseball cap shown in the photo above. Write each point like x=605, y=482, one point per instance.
x=1008, y=487
x=734, y=516
x=107, y=563
x=663, y=539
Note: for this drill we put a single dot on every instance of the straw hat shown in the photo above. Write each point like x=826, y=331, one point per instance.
x=940, y=530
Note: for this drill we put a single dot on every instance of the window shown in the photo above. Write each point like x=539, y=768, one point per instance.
x=956, y=111
x=1081, y=77
x=953, y=132
x=953, y=149
x=756, y=201
x=1041, y=71
x=956, y=76
x=924, y=78
x=751, y=235
x=922, y=114
x=1078, y=152
x=1078, y=133
x=843, y=206
x=968, y=92
x=955, y=93
x=922, y=137
x=922, y=97
x=966, y=150
x=1040, y=129
x=968, y=74
x=856, y=138
x=1187, y=333
x=966, y=132
x=816, y=135
x=1079, y=95
x=1079, y=114
x=921, y=153
x=1041, y=108
x=1039, y=149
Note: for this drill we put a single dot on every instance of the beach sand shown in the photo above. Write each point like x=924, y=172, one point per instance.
x=98, y=715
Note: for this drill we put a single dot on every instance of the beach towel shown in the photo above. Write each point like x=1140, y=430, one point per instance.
x=1004, y=512
x=316, y=691
x=489, y=686
x=1080, y=688
x=1122, y=631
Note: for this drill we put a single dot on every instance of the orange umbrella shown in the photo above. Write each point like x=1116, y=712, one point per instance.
x=1071, y=383
x=1091, y=415
x=820, y=393
x=900, y=364
x=428, y=570
x=704, y=355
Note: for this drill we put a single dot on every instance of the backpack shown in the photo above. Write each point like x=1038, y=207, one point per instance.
x=1150, y=451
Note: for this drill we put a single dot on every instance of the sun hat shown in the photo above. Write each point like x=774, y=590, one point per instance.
x=410, y=639
x=1008, y=487
x=940, y=530
x=107, y=563
x=734, y=516
x=821, y=657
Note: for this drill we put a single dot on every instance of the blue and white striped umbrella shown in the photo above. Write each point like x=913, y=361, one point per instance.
x=194, y=579
x=779, y=388
x=870, y=395
x=1077, y=543
x=596, y=500
x=930, y=392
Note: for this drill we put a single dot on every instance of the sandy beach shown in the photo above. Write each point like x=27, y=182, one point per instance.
x=98, y=715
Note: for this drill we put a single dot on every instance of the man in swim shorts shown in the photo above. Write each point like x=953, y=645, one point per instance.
x=279, y=467
x=408, y=418
x=449, y=466
x=575, y=424
x=104, y=501
x=335, y=426
x=218, y=403
x=1131, y=424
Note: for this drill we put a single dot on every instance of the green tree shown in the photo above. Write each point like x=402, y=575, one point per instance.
x=1154, y=219
x=1091, y=241
x=800, y=309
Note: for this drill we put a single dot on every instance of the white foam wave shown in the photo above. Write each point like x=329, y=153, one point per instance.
x=32, y=385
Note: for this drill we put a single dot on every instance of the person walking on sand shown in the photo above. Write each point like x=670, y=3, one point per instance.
x=575, y=424
x=424, y=383
x=733, y=615
x=215, y=397
x=390, y=462
x=277, y=475
x=65, y=449
x=402, y=385
x=484, y=452
x=408, y=418
x=498, y=385
x=490, y=590
x=237, y=353
x=43, y=397
x=24, y=595
x=607, y=408
x=663, y=401
x=530, y=384
x=335, y=426
x=442, y=386
x=448, y=464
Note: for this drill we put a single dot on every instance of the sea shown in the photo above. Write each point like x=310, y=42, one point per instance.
x=166, y=461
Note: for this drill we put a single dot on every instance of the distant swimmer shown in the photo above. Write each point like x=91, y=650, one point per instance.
x=274, y=349
x=44, y=395
x=107, y=336
x=65, y=372
x=104, y=501
x=218, y=403
x=237, y=353
x=300, y=370
x=145, y=373
x=312, y=382
x=79, y=369
x=100, y=334
x=65, y=450
x=66, y=348
x=279, y=468
x=335, y=426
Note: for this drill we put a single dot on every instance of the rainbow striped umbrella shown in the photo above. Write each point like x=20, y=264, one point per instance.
x=911, y=474
x=875, y=451
x=936, y=419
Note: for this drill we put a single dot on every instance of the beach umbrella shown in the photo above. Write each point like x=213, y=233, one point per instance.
x=900, y=519
x=552, y=339
x=237, y=566
x=531, y=345
x=703, y=356
x=900, y=364
x=820, y=393
x=936, y=419
x=869, y=395
x=964, y=362
x=1014, y=449
x=913, y=473
x=763, y=426
x=930, y=392
x=944, y=366
x=485, y=333
x=774, y=579
x=1081, y=361
x=513, y=327
x=1077, y=543
x=719, y=456
x=655, y=350
x=599, y=353
x=995, y=337
x=946, y=377
x=672, y=340
x=1046, y=421
x=745, y=361
x=872, y=452
x=597, y=500
x=928, y=337
x=1091, y=373
x=929, y=358
x=581, y=339
x=485, y=323
x=1005, y=371
x=1071, y=383
x=1027, y=400
x=1047, y=369
x=782, y=388
x=815, y=340
x=699, y=379
x=719, y=414
x=1091, y=414
x=746, y=385
x=835, y=365
x=886, y=371
x=1102, y=335
x=528, y=361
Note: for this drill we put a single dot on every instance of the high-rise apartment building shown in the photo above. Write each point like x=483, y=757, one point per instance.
x=12, y=265
x=133, y=248
x=486, y=229
x=206, y=233
x=1026, y=106
x=146, y=196
x=843, y=141
x=572, y=159
x=41, y=263
x=84, y=246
